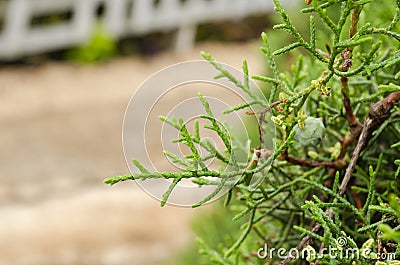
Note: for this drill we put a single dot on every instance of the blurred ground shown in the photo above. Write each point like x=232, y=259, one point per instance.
x=60, y=137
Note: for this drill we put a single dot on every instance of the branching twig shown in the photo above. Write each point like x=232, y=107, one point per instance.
x=337, y=164
x=274, y=104
x=355, y=125
x=378, y=113
x=261, y=118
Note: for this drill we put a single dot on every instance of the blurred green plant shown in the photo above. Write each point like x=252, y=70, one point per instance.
x=100, y=47
x=334, y=180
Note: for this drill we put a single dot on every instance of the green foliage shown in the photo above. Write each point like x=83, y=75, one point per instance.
x=388, y=232
x=317, y=194
x=101, y=46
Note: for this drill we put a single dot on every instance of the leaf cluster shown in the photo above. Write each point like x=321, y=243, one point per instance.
x=298, y=203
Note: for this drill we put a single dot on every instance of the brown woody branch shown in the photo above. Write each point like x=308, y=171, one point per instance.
x=378, y=113
x=337, y=164
x=355, y=125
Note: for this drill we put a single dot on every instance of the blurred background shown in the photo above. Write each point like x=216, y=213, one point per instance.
x=67, y=71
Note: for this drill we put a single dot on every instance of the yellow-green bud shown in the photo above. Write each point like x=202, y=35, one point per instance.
x=301, y=124
x=312, y=154
x=335, y=151
x=278, y=119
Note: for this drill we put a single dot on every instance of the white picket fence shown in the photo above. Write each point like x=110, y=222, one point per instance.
x=19, y=37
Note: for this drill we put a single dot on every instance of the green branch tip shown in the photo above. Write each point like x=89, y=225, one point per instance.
x=117, y=179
